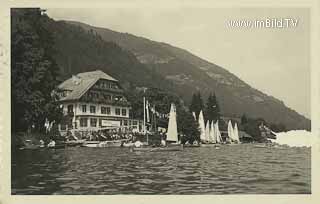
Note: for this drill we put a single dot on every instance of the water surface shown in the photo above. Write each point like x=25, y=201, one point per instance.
x=237, y=169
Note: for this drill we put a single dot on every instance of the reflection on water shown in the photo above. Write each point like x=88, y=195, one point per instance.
x=229, y=170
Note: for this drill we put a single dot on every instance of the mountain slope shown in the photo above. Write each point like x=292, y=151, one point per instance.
x=78, y=51
x=189, y=72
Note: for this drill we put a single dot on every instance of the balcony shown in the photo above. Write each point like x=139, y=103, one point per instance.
x=121, y=103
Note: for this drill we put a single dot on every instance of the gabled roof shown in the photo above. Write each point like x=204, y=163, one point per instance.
x=81, y=83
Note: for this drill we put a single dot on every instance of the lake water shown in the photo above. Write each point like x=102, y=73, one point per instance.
x=236, y=169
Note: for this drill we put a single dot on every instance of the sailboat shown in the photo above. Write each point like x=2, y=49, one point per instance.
x=202, y=127
x=172, y=143
x=217, y=132
x=230, y=132
x=236, y=133
x=213, y=137
x=207, y=133
x=194, y=116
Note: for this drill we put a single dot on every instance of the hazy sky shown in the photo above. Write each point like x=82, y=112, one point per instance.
x=272, y=60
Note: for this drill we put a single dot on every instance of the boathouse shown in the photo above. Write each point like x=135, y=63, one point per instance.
x=93, y=101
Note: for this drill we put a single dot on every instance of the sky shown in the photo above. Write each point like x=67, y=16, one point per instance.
x=275, y=61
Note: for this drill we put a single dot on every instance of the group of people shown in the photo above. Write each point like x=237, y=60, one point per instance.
x=103, y=135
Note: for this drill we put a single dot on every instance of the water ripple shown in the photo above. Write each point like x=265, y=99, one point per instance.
x=238, y=169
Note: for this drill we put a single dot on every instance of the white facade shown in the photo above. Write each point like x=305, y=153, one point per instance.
x=86, y=118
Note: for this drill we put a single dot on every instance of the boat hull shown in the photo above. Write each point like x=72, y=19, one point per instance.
x=116, y=143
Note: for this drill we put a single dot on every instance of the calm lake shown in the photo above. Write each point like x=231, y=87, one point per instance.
x=234, y=169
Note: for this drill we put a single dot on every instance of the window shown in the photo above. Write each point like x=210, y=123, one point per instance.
x=135, y=122
x=93, y=122
x=103, y=110
x=84, y=108
x=92, y=109
x=108, y=110
x=83, y=122
x=124, y=112
x=117, y=111
x=70, y=108
x=125, y=122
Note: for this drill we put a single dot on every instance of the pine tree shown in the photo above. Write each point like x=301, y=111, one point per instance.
x=193, y=104
x=244, y=119
x=216, y=115
x=196, y=104
x=187, y=126
x=210, y=109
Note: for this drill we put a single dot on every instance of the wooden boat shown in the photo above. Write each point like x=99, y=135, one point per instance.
x=74, y=143
x=108, y=143
x=29, y=145
x=130, y=144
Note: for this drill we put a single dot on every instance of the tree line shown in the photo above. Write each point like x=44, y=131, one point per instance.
x=34, y=72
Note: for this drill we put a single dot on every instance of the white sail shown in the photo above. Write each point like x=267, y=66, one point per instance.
x=213, y=133
x=207, y=131
x=194, y=116
x=202, y=127
x=172, y=134
x=230, y=131
x=218, y=134
x=236, y=133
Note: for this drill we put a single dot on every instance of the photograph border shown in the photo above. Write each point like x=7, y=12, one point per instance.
x=5, y=95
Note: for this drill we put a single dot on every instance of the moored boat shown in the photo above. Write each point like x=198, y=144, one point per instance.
x=73, y=143
x=108, y=143
x=171, y=143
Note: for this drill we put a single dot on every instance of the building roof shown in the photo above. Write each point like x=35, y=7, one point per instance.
x=81, y=83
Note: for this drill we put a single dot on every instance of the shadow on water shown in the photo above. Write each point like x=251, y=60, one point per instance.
x=238, y=169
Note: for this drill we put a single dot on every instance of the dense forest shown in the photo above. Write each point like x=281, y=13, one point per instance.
x=34, y=72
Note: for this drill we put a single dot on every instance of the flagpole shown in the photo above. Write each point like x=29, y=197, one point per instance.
x=144, y=115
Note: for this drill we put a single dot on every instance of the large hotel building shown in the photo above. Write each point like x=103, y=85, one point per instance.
x=94, y=101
